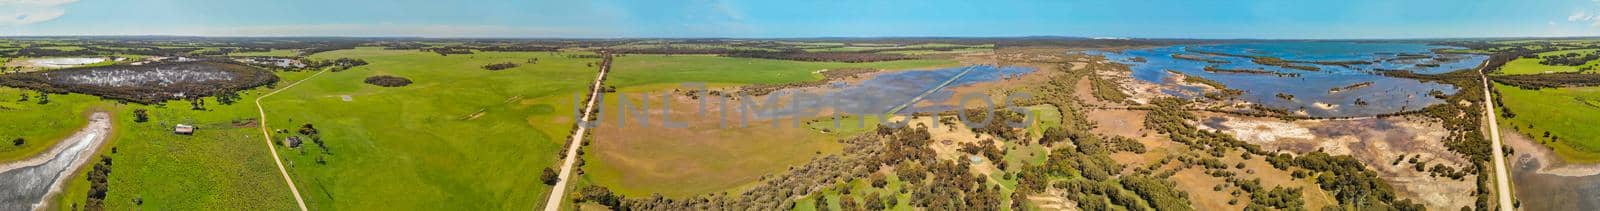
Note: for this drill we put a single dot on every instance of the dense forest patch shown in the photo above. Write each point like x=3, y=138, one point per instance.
x=388, y=81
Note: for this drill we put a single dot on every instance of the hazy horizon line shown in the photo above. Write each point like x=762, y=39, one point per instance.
x=786, y=38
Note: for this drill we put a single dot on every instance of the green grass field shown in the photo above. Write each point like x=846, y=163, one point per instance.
x=223, y=166
x=1531, y=65
x=40, y=126
x=460, y=137
x=1569, y=114
x=273, y=52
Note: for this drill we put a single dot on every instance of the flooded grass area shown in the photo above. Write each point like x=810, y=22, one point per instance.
x=1307, y=71
x=883, y=92
x=274, y=62
x=704, y=156
x=148, y=83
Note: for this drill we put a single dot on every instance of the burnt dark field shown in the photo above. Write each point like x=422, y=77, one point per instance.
x=148, y=83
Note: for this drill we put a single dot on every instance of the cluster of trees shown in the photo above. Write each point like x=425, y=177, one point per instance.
x=828, y=77
x=1090, y=143
x=388, y=81
x=1278, y=198
x=347, y=63
x=671, y=50
x=919, y=48
x=1199, y=80
x=549, y=176
x=98, y=184
x=1549, y=80
x=1408, y=56
x=1351, y=87
x=400, y=45
x=986, y=148
x=1077, y=42
x=1570, y=59
x=1274, y=61
x=335, y=65
x=599, y=195
x=500, y=66
x=519, y=48
x=1197, y=58
x=44, y=97
x=141, y=115
x=1349, y=180
x=35, y=51
x=310, y=131
x=446, y=51
x=1102, y=183
x=851, y=57
x=1105, y=89
x=951, y=186
x=997, y=122
x=1094, y=180
x=1160, y=193
x=329, y=46
x=179, y=51
x=1216, y=69
x=1168, y=117
x=226, y=51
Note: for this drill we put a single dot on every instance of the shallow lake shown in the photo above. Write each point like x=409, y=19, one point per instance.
x=1362, y=62
x=23, y=186
x=63, y=62
x=883, y=92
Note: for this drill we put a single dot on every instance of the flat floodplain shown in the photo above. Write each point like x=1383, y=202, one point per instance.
x=459, y=137
x=703, y=157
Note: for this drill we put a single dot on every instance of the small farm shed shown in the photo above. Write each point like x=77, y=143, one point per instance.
x=183, y=129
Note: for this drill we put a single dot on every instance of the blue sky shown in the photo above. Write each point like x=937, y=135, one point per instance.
x=804, y=18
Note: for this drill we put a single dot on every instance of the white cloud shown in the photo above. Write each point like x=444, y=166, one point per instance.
x=36, y=2
x=24, y=12
x=1577, y=16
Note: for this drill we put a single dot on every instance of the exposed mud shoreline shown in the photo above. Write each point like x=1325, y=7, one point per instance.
x=24, y=185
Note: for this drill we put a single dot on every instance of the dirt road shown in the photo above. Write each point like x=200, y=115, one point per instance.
x=25, y=185
x=559, y=191
x=267, y=136
x=1502, y=181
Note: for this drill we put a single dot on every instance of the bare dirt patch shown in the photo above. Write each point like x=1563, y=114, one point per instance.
x=1199, y=186
x=1377, y=142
